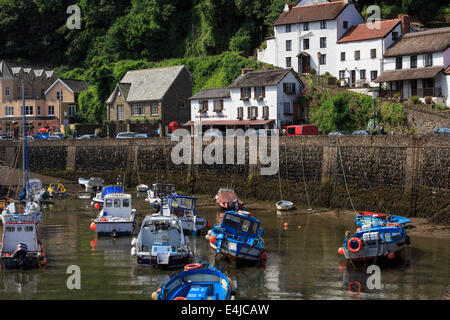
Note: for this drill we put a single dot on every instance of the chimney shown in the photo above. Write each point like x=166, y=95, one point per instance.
x=246, y=70
x=406, y=23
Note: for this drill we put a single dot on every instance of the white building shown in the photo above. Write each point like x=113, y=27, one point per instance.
x=303, y=31
x=419, y=65
x=258, y=100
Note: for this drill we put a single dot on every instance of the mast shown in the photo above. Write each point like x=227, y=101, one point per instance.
x=24, y=132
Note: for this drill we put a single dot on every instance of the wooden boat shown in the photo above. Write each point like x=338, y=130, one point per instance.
x=198, y=281
x=161, y=242
x=184, y=208
x=239, y=235
x=228, y=200
x=374, y=239
x=57, y=190
x=284, y=205
x=117, y=218
x=20, y=247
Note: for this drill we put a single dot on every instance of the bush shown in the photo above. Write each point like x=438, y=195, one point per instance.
x=241, y=42
x=393, y=114
x=414, y=100
x=313, y=71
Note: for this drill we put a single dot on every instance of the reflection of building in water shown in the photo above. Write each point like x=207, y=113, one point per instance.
x=116, y=252
x=24, y=283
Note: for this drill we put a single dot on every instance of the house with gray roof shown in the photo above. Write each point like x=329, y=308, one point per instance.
x=256, y=99
x=159, y=95
x=418, y=65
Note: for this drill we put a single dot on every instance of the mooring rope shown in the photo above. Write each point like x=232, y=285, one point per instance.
x=304, y=179
x=343, y=174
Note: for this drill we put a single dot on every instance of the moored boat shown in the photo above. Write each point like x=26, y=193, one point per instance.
x=57, y=190
x=98, y=199
x=198, y=281
x=37, y=191
x=22, y=212
x=284, y=205
x=388, y=218
x=161, y=243
x=158, y=191
x=142, y=188
x=92, y=185
x=117, y=218
x=239, y=236
x=20, y=247
x=228, y=200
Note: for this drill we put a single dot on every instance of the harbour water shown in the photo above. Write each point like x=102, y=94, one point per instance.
x=302, y=261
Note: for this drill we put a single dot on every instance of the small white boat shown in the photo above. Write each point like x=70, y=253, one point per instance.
x=142, y=188
x=37, y=191
x=158, y=191
x=30, y=212
x=92, y=185
x=117, y=218
x=284, y=205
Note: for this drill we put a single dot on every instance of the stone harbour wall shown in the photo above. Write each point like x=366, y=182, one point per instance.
x=406, y=175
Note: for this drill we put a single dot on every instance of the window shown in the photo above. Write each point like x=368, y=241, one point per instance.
x=289, y=88
x=323, y=24
x=323, y=59
x=51, y=110
x=394, y=36
x=362, y=74
x=428, y=83
x=181, y=105
x=116, y=203
x=252, y=112
x=138, y=110
x=288, y=62
x=373, y=74
x=218, y=105
x=398, y=63
x=287, y=108
x=119, y=112
x=323, y=42
x=155, y=109
x=306, y=26
x=240, y=112
x=288, y=28
x=266, y=112
x=125, y=203
x=72, y=110
x=305, y=44
x=29, y=229
x=345, y=24
x=342, y=56
x=7, y=93
x=245, y=93
x=108, y=203
x=288, y=45
x=9, y=111
x=373, y=53
x=260, y=92
x=59, y=95
x=357, y=55
x=28, y=110
x=38, y=110
x=203, y=105
x=341, y=74
x=428, y=60
x=413, y=62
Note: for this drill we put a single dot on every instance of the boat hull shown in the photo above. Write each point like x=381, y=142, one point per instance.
x=189, y=224
x=177, y=260
x=368, y=253
x=28, y=263
x=237, y=250
x=116, y=228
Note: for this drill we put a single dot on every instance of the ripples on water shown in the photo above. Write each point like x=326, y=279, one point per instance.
x=301, y=263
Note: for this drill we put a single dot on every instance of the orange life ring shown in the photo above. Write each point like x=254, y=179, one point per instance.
x=349, y=244
x=192, y=266
x=392, y=224
x=180, y=298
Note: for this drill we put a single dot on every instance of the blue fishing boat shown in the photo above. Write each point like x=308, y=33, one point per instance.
x=197, y=282
x=387, y=218
x=375, y=238
x=239, y=236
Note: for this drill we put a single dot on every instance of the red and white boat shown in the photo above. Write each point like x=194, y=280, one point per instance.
x=228, y=200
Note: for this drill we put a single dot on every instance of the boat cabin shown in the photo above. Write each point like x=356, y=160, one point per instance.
x=161, y=231
x=17, y=233
x=179, y=204
x=117, y=205
x=240, y=225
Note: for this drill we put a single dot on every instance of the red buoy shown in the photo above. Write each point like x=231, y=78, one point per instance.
x=93, y=226
x=97, y=206
x=391, y=255
x=341, y=251
x=213, y=239
x=286, y=225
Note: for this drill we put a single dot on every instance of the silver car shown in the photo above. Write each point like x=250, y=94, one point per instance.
x=126, y=135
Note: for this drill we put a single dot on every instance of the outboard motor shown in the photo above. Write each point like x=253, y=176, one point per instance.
x=20, y=253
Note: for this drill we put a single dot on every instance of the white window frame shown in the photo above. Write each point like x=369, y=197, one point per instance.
x=7, y=92
x=138, y=110
x=287, y=108
x=8, y=112
x=51, y=111
x=72, y=110
x=154, y=107
x=120, y=114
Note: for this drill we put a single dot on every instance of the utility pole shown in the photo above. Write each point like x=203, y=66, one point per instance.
x=24, y=132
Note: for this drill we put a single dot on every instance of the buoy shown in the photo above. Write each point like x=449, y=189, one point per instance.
x=286, y=225
x=358, y=230
x=341, y=251
x=299, y=227
x=391, y=255
x=213, y=239
x=263, y=255
x=93, y=226
x=154, y=295
x=97, y=206
x=133, y=242
x=43, y=261
x=133, y=251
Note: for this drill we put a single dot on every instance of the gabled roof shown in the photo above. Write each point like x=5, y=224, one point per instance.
x=150, y=84
x=74, y=86
x=364, y=32
x=212, y=94
x=433, y=40
x=313, y=12
x=261, y=78
x=123, y=88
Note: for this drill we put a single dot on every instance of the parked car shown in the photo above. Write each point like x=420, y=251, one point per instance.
x=88, y=136
x=2, y=137
x=54, y=138
x=41, y=135
x=125, y=135
x=340, y=133
x=60, y=135
x=302, y=130
x=443, y=130
x=141, y=136
x=361, y=133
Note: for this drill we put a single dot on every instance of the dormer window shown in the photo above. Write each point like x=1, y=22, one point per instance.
x=394, y=36
x=428, y=60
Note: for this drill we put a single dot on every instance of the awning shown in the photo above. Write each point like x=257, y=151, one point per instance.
x=229, y=122
x=409, y=74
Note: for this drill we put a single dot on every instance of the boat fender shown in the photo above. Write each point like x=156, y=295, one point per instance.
x=213, y=239
x=391, y=255
x=192, y=266
x=154, y=295
x=349, y=244
x=341, y=251
x=93, y=226
x=133, y=242
x=133, y=251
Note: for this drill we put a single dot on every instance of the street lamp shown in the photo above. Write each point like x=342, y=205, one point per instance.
x=374, y=97
x=319, y=55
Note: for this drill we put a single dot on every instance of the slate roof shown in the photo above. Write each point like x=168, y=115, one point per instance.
x=313, y=12
x=212, y=94
x=261, y=78
x=363, y=31
x=77, y=86
x=433, y=40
